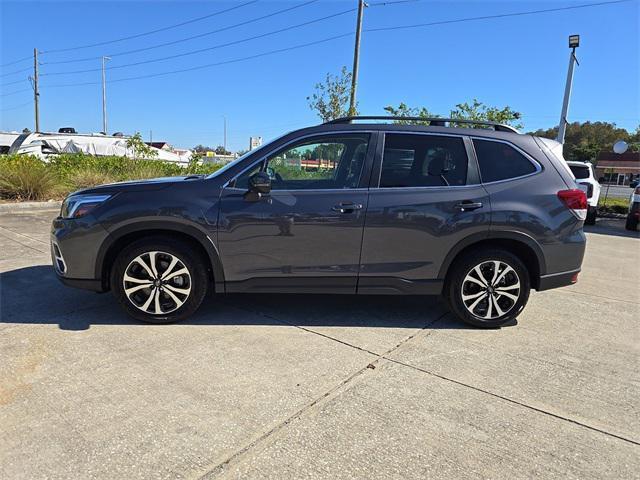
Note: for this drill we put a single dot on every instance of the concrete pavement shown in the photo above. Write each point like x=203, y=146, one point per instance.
x=283, y=386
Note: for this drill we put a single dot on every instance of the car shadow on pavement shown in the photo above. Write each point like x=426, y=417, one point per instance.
x=33, y=295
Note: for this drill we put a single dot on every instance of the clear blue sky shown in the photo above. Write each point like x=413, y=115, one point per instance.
x=516, y=61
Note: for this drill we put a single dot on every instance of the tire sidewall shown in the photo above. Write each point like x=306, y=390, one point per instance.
x=199, y=279
x=464, y=265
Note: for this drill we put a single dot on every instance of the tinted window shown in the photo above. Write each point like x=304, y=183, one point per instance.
x=328, y=162
x=423, y=161
x=499, y=161
x=579, y=172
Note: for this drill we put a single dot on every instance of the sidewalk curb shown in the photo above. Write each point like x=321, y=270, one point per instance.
x=19, y=206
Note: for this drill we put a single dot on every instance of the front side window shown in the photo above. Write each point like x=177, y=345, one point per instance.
x=411, y=160
x=327, y=162
x=499, y=161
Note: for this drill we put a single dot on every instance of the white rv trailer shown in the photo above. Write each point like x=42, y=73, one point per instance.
x=97, y=144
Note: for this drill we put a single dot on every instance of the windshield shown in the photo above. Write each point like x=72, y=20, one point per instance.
x=579, y=172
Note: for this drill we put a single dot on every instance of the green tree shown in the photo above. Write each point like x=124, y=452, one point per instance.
x=331, y=98
x=584, y=141
x=220, y=150
x=139, y=148
x=403, y=110
x=476, y=110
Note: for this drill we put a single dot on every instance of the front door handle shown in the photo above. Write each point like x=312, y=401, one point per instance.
x=468, y=205
x=346, y=207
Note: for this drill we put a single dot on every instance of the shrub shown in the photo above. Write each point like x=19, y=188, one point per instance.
x=88, y=178
x=27, y=178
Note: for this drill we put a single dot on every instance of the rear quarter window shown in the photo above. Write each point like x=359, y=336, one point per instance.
x=500, y=161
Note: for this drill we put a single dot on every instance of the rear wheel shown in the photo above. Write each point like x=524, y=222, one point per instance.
x=592, y=213
x=488, y=288
x=159, y=280
x=632, y=223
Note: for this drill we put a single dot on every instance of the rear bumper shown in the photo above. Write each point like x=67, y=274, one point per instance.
x=556, y=280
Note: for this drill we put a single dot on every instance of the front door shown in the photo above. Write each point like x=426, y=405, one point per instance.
x=428, y=198
x=305, y=236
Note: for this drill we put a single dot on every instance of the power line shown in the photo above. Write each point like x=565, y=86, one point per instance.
x=151, y=32
x=15, y=92
x=14, y=82
x=22, y=105
x=487, y=17
x=199, y=67
x=384, y=4
x=201, y=50
x=17, y=71
x=174, y=42
x=16, y=61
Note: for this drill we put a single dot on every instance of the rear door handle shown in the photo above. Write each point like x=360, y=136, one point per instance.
x=468, y=205
x=346, y=207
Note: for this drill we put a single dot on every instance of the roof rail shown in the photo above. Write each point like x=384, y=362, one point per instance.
x=433, y=121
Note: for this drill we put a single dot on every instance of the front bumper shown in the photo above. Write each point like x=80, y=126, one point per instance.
x=74, y=250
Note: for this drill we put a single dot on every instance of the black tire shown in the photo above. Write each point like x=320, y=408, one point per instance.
x=632, y=223
x=592, y=213
x=483, y=258
x=164, y=249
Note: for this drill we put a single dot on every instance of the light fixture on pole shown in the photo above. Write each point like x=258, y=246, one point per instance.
x=104, y=96
x=574, y=42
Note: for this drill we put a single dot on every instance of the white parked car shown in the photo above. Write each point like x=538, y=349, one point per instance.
x=583, y=171
x=633, y=217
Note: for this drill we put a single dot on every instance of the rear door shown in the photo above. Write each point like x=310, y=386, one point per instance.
x=306, y=235
x=425, y=198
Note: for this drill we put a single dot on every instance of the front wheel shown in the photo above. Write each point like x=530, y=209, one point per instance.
x=488, y=288
x=159, y=280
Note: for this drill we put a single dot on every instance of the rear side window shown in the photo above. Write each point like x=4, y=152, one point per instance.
x=579, y=172
x=411, y=160
x=499, y=161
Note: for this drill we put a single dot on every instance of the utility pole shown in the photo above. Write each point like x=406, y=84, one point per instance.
x=104, y=95
x=356, y=59
x=574, y=42
x=225, y=134
x=36, y=91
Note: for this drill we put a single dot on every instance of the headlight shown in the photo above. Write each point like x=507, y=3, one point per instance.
x=77, y=206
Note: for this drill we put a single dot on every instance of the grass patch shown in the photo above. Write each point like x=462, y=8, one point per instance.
x=25, y=177
x=613, y=205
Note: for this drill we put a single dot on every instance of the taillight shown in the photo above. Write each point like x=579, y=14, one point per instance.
x=576, y=201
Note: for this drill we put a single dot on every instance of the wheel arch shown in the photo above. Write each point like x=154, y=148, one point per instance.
x=125, y=235
x=519, y=244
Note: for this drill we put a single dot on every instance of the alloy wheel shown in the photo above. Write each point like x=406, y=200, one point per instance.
x=157, y=282
x=490, y=289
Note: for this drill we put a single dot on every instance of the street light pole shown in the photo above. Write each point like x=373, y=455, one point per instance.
x=574, y=42
x=36, y=90
x=225, y=134
x=356, y=59
x=104, y=95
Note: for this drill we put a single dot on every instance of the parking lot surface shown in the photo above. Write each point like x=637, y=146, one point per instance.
x=284, y=386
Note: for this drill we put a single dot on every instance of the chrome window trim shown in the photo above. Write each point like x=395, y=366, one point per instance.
x=535, y=163
x=412, y=132
x=311, y=135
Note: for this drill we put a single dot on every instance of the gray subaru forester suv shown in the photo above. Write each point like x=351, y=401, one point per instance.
x=479, y=215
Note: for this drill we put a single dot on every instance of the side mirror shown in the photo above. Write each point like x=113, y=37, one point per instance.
x=260, y=183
